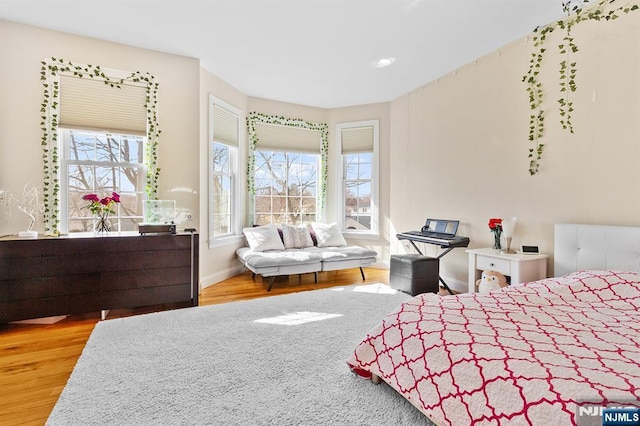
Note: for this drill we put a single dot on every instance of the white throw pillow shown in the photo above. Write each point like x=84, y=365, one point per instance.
x=261, y=238
x=296, y=236
x=328, y=235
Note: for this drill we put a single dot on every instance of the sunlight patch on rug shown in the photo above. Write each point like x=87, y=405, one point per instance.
x=377, y=288
x=297, y=318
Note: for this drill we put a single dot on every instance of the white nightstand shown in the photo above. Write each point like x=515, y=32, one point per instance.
x=521, y=268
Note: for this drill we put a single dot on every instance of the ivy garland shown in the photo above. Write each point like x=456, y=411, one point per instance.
x=568, y=70
x=256, y=117
x=50, y=110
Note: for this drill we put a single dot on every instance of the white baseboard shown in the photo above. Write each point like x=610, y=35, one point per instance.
x=380, y=265
x=457, y=285
x=45, y=320
x=212, y=279
x=209, y=280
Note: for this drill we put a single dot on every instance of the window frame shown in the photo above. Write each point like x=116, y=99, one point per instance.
x=66, y=161
x=374, y=232
x=235, y=153
x=253, y=119
x=51, y=71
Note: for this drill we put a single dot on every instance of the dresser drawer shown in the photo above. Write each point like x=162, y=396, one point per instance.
x=501, y=265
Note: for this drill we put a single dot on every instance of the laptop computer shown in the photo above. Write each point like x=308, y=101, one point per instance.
x=440, y=228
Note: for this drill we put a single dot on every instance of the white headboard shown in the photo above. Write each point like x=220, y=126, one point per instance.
x=579, y=247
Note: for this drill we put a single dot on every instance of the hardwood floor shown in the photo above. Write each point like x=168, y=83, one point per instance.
x=37, y=360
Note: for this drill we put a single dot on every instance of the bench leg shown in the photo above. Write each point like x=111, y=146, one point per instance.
x=362, y=273
x=315, y=277
x=253, y=275
x=271, y=283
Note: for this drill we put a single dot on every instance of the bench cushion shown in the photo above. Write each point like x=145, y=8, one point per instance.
x=309, y=259
x=280, y=262
x=339, y=254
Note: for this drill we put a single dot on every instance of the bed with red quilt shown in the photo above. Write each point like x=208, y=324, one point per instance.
x=529, y=354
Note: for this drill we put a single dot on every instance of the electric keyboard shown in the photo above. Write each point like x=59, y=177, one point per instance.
x=430, y=234
x=420, y=237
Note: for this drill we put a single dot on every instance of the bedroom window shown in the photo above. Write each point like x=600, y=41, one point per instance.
x=224, y=143
x=286, y=187
x=100, y=133
x=102, y=142
x=358, y=145
x=221, y=189
x=287, y=169
x=101, y=163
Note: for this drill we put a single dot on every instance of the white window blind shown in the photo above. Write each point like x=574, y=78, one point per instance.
x=225, y=126
x=287, y=138
x=87, y=103
x=357, y=139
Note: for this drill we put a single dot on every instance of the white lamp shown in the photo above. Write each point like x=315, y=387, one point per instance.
x=508, y=227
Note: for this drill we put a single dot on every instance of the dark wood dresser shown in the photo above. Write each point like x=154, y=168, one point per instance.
x=69, y=275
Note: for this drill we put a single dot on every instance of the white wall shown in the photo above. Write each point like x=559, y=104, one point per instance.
x=456, y=147
x=183, y=118
x=24, y=47
x=380, y=112
x=459, y=144
x=218, y=263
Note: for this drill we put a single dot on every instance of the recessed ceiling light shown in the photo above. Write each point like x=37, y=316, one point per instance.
x=384, y=62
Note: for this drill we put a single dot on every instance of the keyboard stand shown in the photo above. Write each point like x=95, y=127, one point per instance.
x=447, y=246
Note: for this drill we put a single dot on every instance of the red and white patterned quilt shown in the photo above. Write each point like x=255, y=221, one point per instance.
x=523, y=355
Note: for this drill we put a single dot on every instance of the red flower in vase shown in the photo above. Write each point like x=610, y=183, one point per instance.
x=102, y=208
x=495, y=224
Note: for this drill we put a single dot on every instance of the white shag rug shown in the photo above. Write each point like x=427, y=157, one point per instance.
x=278, y=360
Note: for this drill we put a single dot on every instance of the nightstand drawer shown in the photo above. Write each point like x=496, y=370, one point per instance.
x=501, y=265
x=521, y=268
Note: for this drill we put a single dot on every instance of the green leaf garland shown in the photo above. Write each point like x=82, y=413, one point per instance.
x=568, y=71
x=50, y=110
x=256, y=117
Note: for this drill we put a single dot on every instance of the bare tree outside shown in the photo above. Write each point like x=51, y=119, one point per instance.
x=221, y=185
x=357, y=190
x=286, y=187
x=102, y=163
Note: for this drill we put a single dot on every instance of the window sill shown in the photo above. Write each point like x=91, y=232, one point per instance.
x=226, y=241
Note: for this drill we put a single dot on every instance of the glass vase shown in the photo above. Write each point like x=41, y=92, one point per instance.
x=103, y=225
x=496, y=240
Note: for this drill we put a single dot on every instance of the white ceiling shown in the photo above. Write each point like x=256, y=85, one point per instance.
x=310, y=52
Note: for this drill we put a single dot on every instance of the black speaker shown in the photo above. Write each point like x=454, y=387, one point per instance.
x=530, y=249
